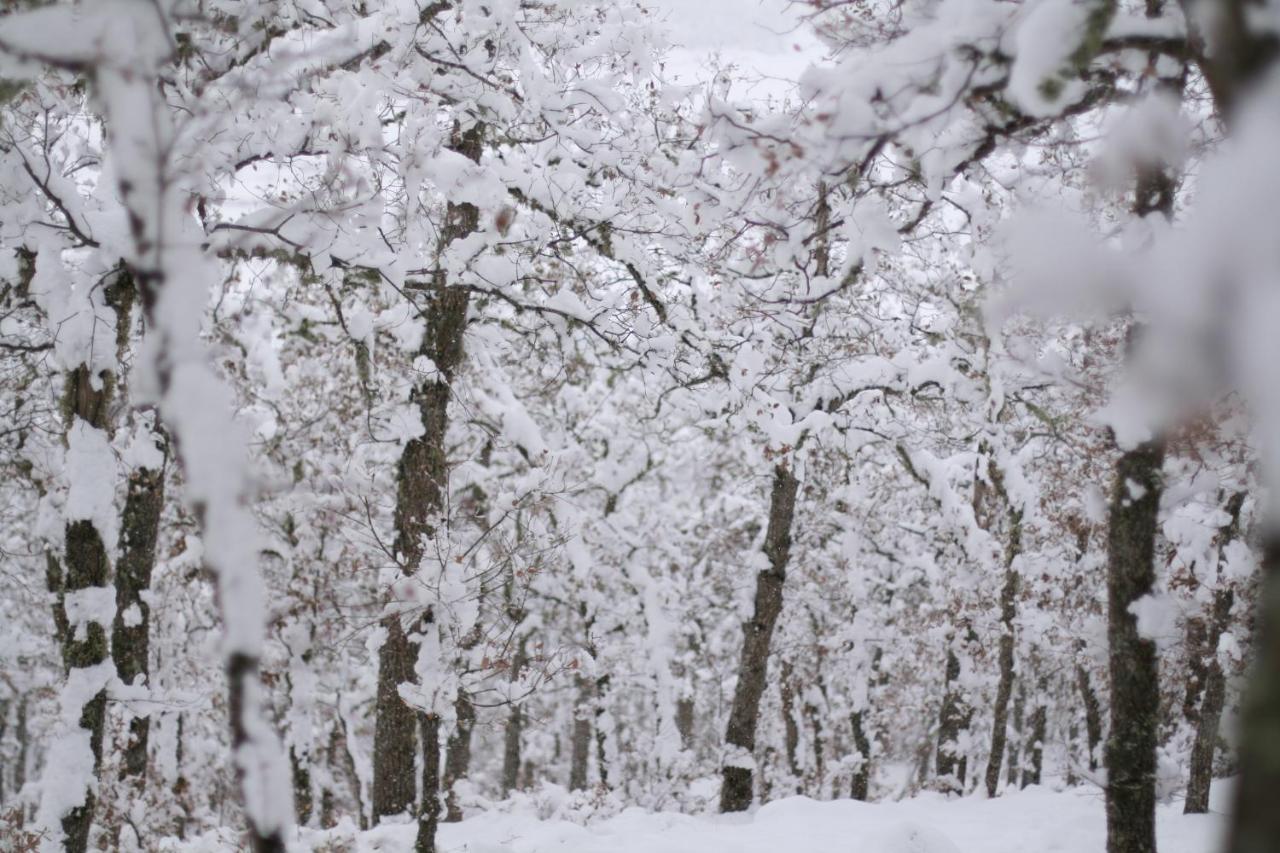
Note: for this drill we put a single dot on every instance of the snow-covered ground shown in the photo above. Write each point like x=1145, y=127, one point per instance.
x=1037, y=819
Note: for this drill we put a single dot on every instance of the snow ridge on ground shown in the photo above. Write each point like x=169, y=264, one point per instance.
x=1035, y=819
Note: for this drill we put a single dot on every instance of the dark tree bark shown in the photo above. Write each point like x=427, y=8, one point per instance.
x=1135, y=689
x=130, y=632
x=1255, y=826
x=740, y=736
x=996, y=515
x=1092, y=713
x=515, y=730
x=1004, y=689
x=1197, y=640
x=303, y=799
x=580, y=739
x=951, y=763
x=684, y=721
x=1015, y=742
x=4, y=729
x=814, y=714
x=602, y=754
x=861, y=783
x=457, y=761
x=394, y=743
x=429, y=809
x=420, y=497
x=1242, y=54
x=1039, y=730
x=791, y=731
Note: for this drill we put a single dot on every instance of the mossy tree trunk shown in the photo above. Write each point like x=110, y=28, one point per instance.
x=1135, y=689
x=995, y=493
x=131, y=630
x=84, y=572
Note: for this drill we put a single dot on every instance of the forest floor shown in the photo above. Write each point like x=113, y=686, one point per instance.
x=1036, y=819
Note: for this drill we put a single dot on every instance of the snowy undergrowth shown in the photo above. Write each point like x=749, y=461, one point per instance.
x=1035, y=819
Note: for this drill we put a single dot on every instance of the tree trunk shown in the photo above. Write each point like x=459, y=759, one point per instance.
x=684, y=721
x=1135, y=690
x=952, y=763
x=791, y=731
x=84, y=571
x=580, y=740
x=861, y=783
x=420, y=498
x=130, y=632
x=602, y=755
x=1015, y=742
x=393, y=735
x=1004, y=690
x=457, y=761
x=1039, y=730
x=515, y=730
x=429, y=809
x=740, y=736
x=1209, y=714
x=1255, y=827
x=1244, y=51
x=303, y=798
x=1092, y=713
x=813, y=713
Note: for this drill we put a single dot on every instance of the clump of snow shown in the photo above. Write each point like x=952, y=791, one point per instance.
x=1157, y=616
x=1049, y=33
x=91, y=469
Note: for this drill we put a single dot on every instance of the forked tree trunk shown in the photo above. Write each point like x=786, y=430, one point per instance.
x=420, y=498
x=1135, y=689
x=1004, y=690
x=1208, y=715
x=991, y=507
x=740, y=736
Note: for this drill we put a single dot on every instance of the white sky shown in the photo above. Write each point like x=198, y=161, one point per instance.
x=764, y=38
